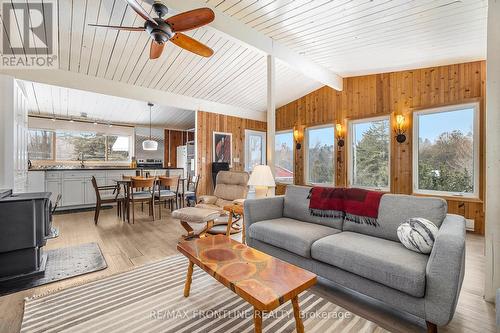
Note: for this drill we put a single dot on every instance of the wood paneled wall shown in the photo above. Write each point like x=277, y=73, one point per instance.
x=173, y=139
x=207, y=124
x=391, y=94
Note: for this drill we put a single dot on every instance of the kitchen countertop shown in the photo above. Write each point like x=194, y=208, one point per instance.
x=98, y=168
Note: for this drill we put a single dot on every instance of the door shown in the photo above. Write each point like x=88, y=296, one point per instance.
x=255, y=149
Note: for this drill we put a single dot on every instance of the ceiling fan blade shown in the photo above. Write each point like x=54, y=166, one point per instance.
x=191, y=19
x=155, y=50
x=141, y=11
x=192, y=45
x=117, y=27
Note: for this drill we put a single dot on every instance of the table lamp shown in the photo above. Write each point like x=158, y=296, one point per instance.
x=262, y=178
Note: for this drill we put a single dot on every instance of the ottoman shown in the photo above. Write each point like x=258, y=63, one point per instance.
x=195, y=215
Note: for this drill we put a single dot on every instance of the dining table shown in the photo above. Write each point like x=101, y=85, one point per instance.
x=126, y=183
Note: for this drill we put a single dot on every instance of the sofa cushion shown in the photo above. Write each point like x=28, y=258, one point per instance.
x=395, y=209
x=296, y=206
x=379, y=260
x=289, y=234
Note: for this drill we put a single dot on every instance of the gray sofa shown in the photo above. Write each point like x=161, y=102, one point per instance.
x=364, y=258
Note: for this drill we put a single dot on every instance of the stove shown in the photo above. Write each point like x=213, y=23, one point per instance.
x=150, y=163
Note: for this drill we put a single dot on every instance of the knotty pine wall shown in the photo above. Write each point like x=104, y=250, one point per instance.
x=212, y=122
x=391, y=94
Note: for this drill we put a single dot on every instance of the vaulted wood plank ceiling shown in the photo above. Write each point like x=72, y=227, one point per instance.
x=235, y=75
x=350, y=37
x=51, y=101
x=357, y=37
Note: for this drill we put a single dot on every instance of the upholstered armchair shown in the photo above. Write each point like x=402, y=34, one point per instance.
x=230, y=187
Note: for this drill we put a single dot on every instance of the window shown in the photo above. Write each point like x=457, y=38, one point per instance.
x=369, y=153
x=319, y=155
x=283, y=157
x=40, y=145
x=446, y=153
x=71, y=146
x=255, y=149
x=118, y=148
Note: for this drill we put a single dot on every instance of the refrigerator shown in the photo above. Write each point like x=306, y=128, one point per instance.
x=182, y=160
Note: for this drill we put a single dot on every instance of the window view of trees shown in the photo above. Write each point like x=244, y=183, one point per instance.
x=40, y=145
x=370, y=154
x=283, y=153
x=320, y=151
x=446, y=151
x=69, y=146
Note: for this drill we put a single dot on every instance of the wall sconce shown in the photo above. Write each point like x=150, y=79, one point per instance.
x=400, y=128
x=298, y=135
x=340, y=135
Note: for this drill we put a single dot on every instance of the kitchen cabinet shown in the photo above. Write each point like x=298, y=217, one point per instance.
x=75, y=186
x=73, y=191
x=53, y=186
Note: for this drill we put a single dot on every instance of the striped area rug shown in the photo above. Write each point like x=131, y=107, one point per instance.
x=150, y=299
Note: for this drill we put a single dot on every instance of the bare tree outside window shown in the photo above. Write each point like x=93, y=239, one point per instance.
x=40, y=144
x=446, y=151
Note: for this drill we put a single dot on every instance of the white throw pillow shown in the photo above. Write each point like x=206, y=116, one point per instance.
x=418, y=234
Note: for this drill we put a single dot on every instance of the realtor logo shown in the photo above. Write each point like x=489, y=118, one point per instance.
x=29, y=34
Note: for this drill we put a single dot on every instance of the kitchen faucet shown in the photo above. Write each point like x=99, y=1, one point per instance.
x=82, y=159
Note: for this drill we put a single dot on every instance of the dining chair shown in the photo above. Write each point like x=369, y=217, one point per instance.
x=103, y=198
x=142, y=190
x=191, y=190
x=169, y=192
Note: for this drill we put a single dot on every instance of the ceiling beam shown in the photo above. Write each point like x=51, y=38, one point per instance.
x=242, y=33
x=79, y=81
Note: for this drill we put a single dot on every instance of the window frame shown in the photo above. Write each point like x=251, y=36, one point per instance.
x=350, y=152
x=476, y=137
x=288, y=131
x=306, y=155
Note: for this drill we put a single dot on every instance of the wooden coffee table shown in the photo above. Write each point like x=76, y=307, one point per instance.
x=260, y=279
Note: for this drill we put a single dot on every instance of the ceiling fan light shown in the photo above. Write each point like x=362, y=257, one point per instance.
x=150, y=145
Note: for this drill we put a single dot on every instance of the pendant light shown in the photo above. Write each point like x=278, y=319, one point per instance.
x=150, y=144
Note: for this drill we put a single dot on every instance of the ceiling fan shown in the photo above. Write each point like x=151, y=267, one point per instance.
x=163, y=30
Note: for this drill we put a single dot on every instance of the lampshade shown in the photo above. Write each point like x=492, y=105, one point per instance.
x=261, y=176
x=150, y=145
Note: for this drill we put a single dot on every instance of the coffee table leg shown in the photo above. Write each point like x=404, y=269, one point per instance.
x=296, y=313
x=257, y=320
x=189, y=278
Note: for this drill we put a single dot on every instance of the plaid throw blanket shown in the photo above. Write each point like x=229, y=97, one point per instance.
x=354, y=204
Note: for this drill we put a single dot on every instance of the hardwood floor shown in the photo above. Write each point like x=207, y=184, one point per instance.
x=126, y=246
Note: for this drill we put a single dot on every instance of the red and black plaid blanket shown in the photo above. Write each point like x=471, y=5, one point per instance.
x=354, y=204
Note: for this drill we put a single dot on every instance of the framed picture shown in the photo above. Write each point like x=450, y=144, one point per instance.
x=223, y=147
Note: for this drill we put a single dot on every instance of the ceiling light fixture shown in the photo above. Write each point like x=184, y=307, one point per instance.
x=150, y=144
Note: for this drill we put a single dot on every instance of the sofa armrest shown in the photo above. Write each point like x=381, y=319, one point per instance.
x=445, y=271
x=263, y=209
x=207, y=199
